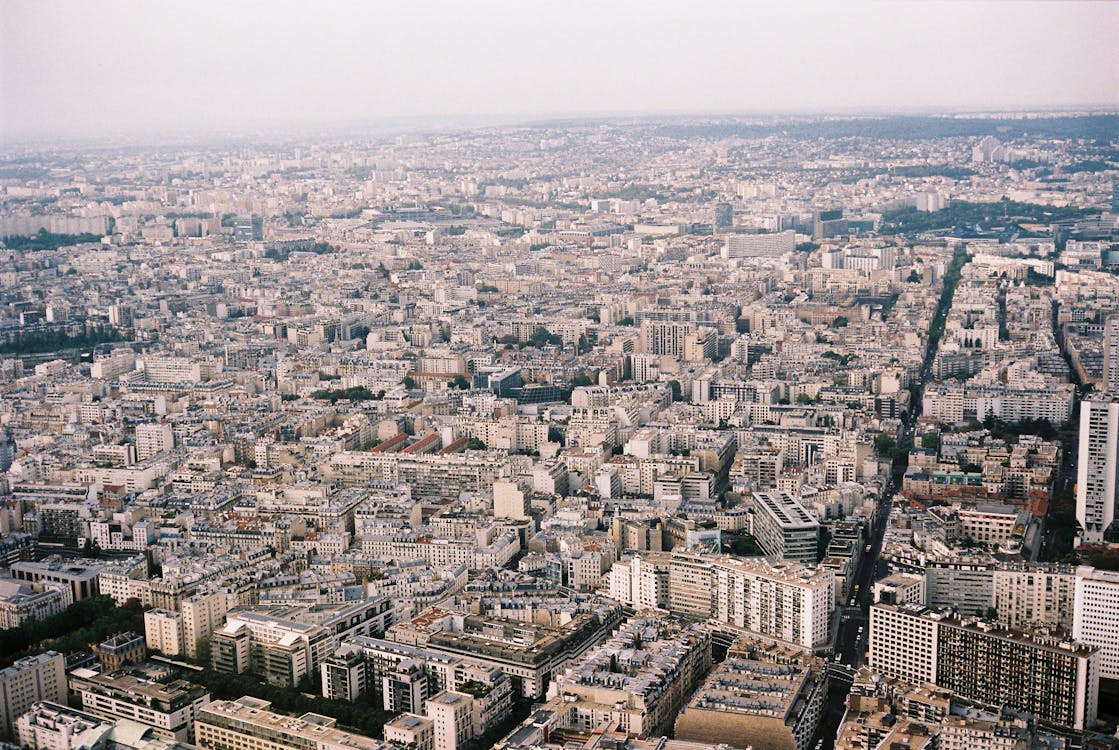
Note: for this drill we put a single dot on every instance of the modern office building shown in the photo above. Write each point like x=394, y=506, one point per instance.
x=784, y=528
x=80, y=576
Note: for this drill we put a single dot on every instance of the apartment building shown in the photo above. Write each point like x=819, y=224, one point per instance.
x=1095, y=619
x=169, y=708
x=153, y=438
x=641, y=581
x=20, y=603
x=903, y=642
x=1097, y=468
x=640, y=677
x=249, y=724
x=50, y=726
x=1055, y=679
x=781, y=600
x=762, y=695
x=451, y=715
x=33, y=678
x=163, y=631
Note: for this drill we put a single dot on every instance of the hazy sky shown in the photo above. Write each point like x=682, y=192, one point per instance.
x=107, y=67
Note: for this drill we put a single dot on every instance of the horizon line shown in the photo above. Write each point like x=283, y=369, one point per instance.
x=432, y=123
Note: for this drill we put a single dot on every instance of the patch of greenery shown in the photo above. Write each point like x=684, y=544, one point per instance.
x=81, y=625
x=45, y=240
x=951, y=279
x=742, y=545
x=986, y=215
x=1043, y=428
x=364, y=716
x=1104, y=558
x=40, y=342
x=355, y=393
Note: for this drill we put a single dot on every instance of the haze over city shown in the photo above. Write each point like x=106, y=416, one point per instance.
x=138, y=68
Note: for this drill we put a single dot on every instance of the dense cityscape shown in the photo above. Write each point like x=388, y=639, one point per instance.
x=635, y=375
x=678, y=433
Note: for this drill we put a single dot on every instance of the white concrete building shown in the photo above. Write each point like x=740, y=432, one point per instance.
x=1097, y=466
x=1096, y=616
x=902, y=642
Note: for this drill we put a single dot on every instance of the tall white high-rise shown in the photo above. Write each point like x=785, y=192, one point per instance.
x=1111, y=354
x=1097, y=466
x=1096, y=615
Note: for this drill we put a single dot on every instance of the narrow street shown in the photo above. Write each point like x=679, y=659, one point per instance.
x=853, y=632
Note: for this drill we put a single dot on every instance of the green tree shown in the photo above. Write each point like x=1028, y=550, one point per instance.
x=884, y=444
x=676, y=389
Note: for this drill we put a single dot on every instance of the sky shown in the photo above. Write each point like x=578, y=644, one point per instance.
x=108, y=68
